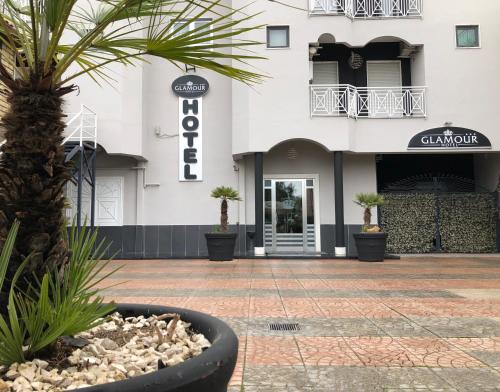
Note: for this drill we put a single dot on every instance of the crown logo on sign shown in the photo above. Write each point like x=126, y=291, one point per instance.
x=448, y=133
x=189, y=83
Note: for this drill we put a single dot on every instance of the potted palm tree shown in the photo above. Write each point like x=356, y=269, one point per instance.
x=371, y=242
x=221, y=243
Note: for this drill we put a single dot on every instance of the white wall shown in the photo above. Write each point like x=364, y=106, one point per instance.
x=239, y=120
x=360, y=176
x=175, y=202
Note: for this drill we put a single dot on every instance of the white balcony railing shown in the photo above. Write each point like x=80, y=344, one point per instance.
x=361, y=9
x=82, y=127
x=367, y=102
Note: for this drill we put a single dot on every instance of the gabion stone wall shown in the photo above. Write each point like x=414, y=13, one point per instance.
x=467, y=222
x=409, y=221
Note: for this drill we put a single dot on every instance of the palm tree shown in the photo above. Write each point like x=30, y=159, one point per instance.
x=55, y=42
x=368, y=201
x=225, y=194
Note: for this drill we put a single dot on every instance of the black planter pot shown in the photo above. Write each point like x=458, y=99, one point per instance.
x=371, y=246
x=210, y=371
x=221, y=246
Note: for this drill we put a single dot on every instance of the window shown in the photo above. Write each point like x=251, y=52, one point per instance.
x=384, y=74
x=278, y=37
x=325, y=72
x=468, y=36
x=185, y=26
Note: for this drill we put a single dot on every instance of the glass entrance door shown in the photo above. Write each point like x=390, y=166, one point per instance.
x=289, y=215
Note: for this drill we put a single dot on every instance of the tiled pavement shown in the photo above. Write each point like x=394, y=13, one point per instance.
x=419, y=324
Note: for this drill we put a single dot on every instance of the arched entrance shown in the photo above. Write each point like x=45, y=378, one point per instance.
x=292, y=172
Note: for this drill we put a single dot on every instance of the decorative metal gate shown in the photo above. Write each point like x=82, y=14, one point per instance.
x=450, y=214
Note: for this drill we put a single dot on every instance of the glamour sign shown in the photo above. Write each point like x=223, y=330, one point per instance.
x=449, y=138
x=190, y=89
x=190, y=86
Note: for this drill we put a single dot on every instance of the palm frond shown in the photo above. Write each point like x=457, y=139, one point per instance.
x=49, y=37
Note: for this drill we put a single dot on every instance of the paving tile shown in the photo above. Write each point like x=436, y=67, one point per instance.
x=475, y=344
x=337, y=308
x=275, y=350
x=345, y=378
x=412, y=379
x=480, y=380
x=491, y=359
x=436, y=353
x=302, y=307
x=326, y=351
x=473, y=293
x=275, y=377
x=237, y=324
x=415, y=324
x=377, y=379
x=400, y=327
x=381, y=351
x=459, y=327
x=267, y=307
x=409, y=352
x=129, y=300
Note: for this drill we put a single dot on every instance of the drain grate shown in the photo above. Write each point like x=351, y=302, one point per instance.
x=286, y=327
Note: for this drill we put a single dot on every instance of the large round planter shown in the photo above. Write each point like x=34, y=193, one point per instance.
x=210, y=371
x=221, y=246
x=371, y=246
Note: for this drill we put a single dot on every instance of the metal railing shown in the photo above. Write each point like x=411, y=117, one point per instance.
x=82, y=127
x=362, y=9
x=367, y=102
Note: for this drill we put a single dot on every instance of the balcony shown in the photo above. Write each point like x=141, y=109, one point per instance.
x=364, y=9
x=343, y=100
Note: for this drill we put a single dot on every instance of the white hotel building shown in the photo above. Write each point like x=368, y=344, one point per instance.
x=363, y=96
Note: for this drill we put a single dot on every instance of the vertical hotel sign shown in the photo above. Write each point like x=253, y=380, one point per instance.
x=190, y=89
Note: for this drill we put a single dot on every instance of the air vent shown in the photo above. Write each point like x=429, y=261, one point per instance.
x=287, y=327
x=292, y=153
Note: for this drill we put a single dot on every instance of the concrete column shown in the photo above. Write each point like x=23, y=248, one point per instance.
x=338, y=164
x=259, y=205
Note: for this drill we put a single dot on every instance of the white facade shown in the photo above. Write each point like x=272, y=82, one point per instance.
x=139, y=130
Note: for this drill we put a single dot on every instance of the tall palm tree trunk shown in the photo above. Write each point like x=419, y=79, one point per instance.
x=223, y=215
x=32, y=179
x=367, y=217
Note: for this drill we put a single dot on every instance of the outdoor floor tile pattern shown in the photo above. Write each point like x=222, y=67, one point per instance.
x=416, y=324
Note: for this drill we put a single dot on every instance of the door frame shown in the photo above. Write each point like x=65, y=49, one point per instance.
x=292, y=177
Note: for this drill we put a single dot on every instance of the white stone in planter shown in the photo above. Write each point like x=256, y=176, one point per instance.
x=104, y=361
x=4, y=387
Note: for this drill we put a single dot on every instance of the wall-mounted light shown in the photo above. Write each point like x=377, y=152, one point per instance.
x=448, y=124
x=313, y=50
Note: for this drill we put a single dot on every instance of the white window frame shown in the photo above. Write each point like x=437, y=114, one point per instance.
x=455, y=37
